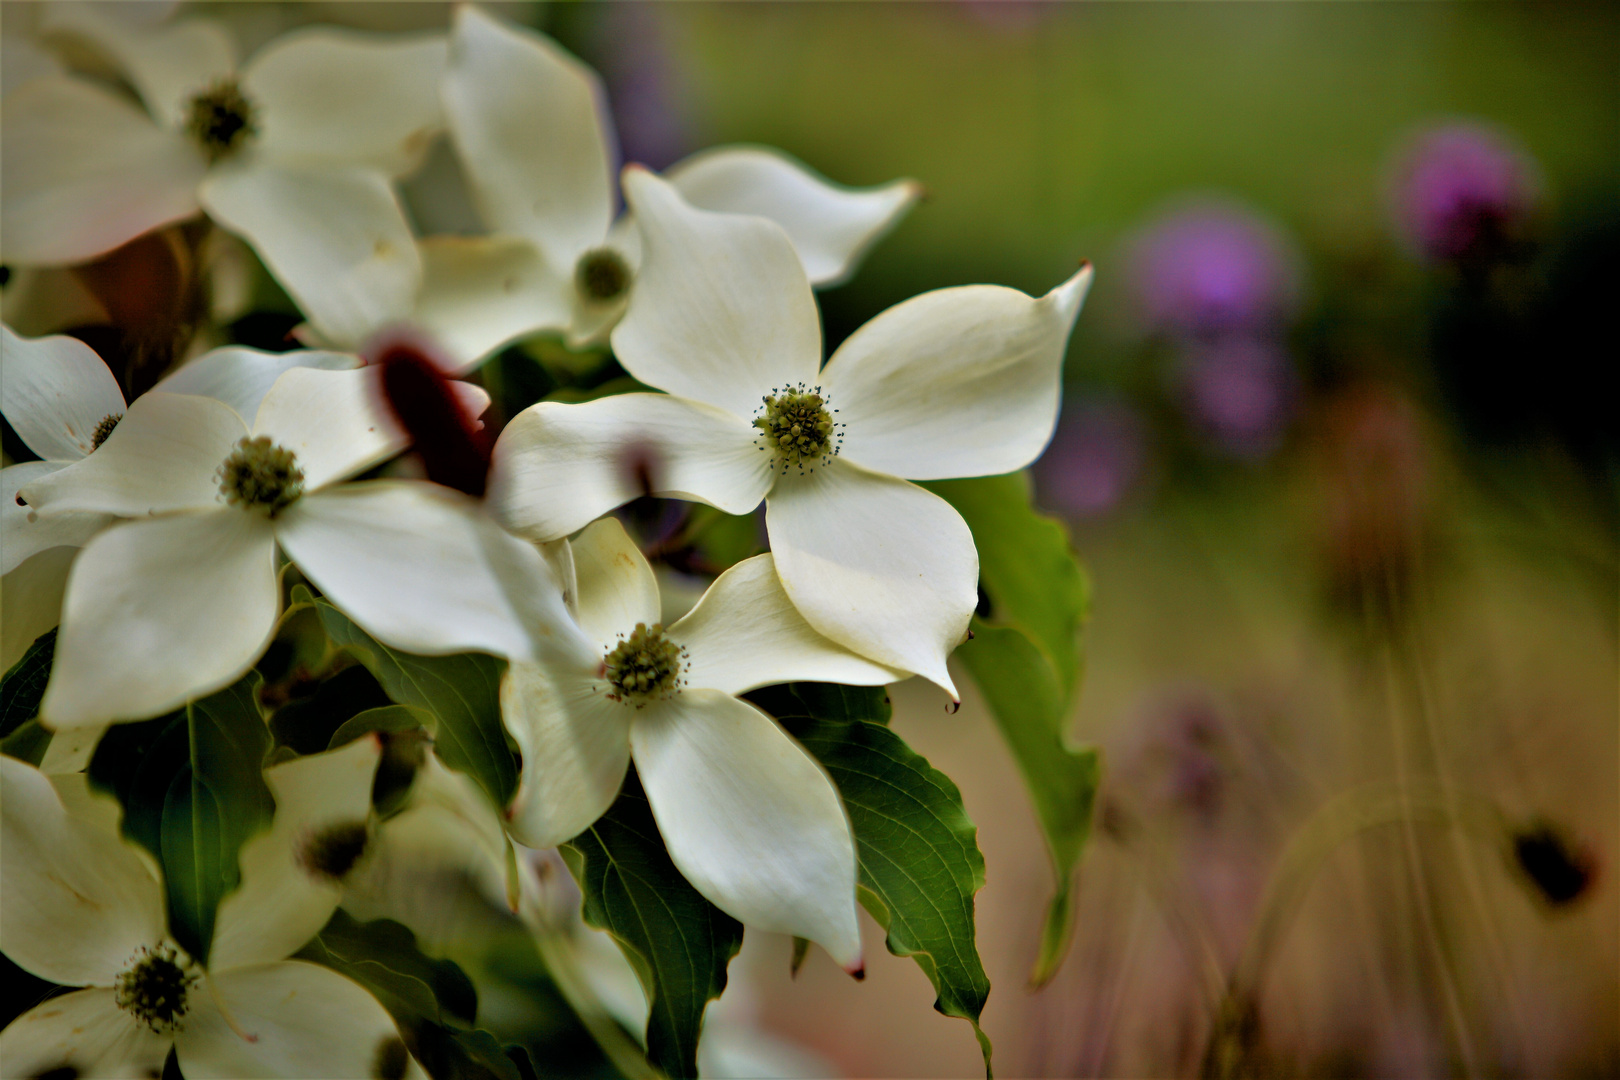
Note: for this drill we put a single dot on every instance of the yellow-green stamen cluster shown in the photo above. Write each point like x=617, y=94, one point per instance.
x=601, y=275
x=103, y=429
x=333, y=852
x=220, y=119
x=644, y=667
x=798, y=425
x=154, y=988
x=259, y=475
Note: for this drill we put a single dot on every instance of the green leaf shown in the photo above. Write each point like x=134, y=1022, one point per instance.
x=27, y=742
x=919, y=859
x=192, y=786
x=24, y=685
x=462, y=692
x=677, y=941
x=1025, y=659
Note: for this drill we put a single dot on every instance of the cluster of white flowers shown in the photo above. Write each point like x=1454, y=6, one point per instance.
x=157, y=531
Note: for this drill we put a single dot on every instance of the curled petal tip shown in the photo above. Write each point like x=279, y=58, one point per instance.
x=857, y=970
x=951, y=709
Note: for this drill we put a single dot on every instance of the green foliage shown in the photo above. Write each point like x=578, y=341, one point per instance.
x=27, y=742
x=678, y=942
x=1025, y=658
x=462, y=693
x=193, y=791
x=919, y=859
x=24, y=685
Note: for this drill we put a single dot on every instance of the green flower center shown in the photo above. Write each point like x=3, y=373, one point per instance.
x=259, y=475
x=154, y=988
x=644, y=667
x=601, y=275
x=221, y=120
x=104, y=429
x=798, y=425
x=332, y=852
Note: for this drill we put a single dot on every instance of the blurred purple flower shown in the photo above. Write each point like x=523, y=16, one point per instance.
x=1462, y=187
x=1096, y=457
x=1241, y=391
x=643, y=85
x=1212, y=267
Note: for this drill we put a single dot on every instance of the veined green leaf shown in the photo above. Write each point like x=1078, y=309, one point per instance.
x=677, y=941
x=1025, y=659
x=919, y=859
x=462, y=692
x=24, y=685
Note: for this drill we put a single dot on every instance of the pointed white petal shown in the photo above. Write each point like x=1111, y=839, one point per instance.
x=752, y=821
x=329, y=96
x=159, y=611
x=955, y=382
x=168, y=64
x=71, y=750
x=745, y=633
x=22, y=539
x=162, y=456
x=528, y=122
x=722, y=311
x=421, y=568
x=54, y=393
x=86, y=1033
x=831, y=226
x=480, y=292
x=78, y=902
x=282, y=902
x=85, y=172
x=336, y=239
x=31, y=601
x=616, y=586
x=878, y=565
x=301, y=1019
x=337, y=422
x=575, y=745
x=559, y=466
x=240, y=377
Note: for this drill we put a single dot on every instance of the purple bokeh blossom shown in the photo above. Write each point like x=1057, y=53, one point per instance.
x=1458, y=190
x=1241, y=390
x=1096, y=458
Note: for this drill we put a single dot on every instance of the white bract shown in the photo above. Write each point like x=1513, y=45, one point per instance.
x=83, y=907
x=751, y=820
x=956, y=382
x=295, y=152
x=63, y=402
x=182, y=598
x=529, y=123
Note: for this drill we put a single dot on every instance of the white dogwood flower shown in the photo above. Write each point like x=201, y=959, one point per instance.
x=295, y=151
x=751, y=820
x=62, y=401
x=83, y=907
x=955, y=382
x=529, y=123
x=182, y=598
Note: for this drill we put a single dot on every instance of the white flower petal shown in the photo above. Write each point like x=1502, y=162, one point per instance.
x=303, y=1020
x=722, y=311
x=163, y=456
x=55, y=391
x=70, y=751
x=955, y=382
x=831, y=226
x=240, y=377
x=881, y=566
x=79, y=902
x=336, y=422
x=336, y=239
x=575, y=745
x=159, y=611
x=31, y=601
x=330, y=96
x=615, y=585
x=529, y=124
x=22, y=539
x=167, y=64
x=85, y=1032
x=281, y=903
x=749, y=818
x=22, y=59
x=84, y=172
x=745, y=633
x=421, y=568
x=480, y=292
x=560, y=466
